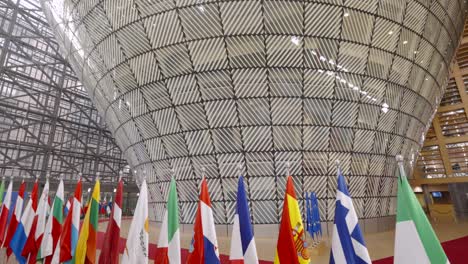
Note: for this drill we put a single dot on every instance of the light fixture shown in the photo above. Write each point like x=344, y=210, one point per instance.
x=405, y=42
x=355, y=88
x=384, y=109
x=322, y=58
x=89, y=189
x=390, y=32
x=201, y=8
x=331, y=62
x=295, y=40
x=346, y=14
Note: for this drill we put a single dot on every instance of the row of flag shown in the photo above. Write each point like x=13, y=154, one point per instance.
x=59, y=239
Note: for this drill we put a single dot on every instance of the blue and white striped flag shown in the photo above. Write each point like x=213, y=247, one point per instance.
x=348, y=244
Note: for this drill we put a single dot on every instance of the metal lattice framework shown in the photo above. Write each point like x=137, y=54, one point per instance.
x=48, y=124
x=444, y=154
x=191, y=84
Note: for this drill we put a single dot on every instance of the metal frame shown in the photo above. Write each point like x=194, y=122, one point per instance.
x=48, y=124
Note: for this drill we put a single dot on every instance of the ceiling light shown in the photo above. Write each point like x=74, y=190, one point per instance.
x=201, y=8
x=322, y=58
x=405, y=42
x=331, y=62
x=355, y=88
x=346, y=14
x=295, y=40
x=385, y=105
x=373, y=99
x=390, y=32
x=384, y=109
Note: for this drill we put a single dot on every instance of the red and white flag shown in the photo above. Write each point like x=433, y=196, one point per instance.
x=5, y=211
x=110, y=247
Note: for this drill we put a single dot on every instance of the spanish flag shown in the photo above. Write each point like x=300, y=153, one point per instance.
x=291, y=247
x=86, y=247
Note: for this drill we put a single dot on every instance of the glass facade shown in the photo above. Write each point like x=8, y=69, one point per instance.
x=48, y=124
x=192, y=84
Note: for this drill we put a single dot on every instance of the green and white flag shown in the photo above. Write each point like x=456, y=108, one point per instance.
x=2, y=190
x=415, y=240
x=169, y=237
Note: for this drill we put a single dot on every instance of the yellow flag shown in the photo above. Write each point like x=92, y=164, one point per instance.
x=86, y=247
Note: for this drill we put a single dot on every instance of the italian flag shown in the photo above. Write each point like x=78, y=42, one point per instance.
x=169, y=238
x=53, y=227
x=415, y=240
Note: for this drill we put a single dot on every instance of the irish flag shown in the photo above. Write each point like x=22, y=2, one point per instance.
x=5, y=211
x=290, y=248
x=169, y=238
x=136, y=249
x=86, y=247
x=415, y=240
x=110, y=249
x=53, y=227
x=68, y=238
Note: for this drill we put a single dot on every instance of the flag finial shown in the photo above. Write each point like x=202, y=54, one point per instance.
x=37, y=177
x=399, y=159
x=61, y=176
x=287, y=168
x=47, y=176
x=239, y=169
x=97, y=176
x=80, y=175
x=120, y=175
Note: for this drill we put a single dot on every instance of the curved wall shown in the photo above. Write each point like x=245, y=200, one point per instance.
x=189, y=84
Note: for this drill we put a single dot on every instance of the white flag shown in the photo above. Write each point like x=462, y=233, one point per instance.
x=136, y=250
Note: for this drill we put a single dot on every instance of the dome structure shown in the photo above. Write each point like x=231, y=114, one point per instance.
x=192, y=84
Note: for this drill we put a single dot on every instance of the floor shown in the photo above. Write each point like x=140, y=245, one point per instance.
x=380, y=245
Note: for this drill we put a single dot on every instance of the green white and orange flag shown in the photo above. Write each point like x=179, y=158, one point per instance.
x=86, y=248
x=169, y=237
x=290, y=248
x=415, y=240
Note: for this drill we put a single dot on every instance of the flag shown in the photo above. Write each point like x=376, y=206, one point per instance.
x=24, y=226
x=53, y=227
x=66, y=209
x=169, y=237
x=6, y=205
x=86, y=247
x=291, y=247
x=15, y=218
x=204, y=246
x=110, y=249
x=68, y=238
x=136, y=249
x=109, y=206
x=316, y=225
x=33, y=242
x=2, y=190
x=348, y=244
x=415, y=240
x=243, y=249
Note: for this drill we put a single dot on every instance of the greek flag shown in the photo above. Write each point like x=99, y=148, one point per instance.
x=347, y=241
